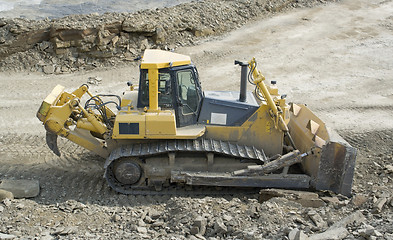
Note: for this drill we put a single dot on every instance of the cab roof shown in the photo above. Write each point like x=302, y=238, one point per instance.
x=153, y=58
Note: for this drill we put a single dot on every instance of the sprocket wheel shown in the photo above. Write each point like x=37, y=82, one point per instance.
x=124, y=174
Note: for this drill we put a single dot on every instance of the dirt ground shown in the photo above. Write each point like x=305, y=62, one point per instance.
x=336, y=58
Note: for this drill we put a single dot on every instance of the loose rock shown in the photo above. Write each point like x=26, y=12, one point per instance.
x=359, y=200
x=300, y=235
x=367, y=231
x=65, y=230
x=5, y=195
x=21, y=188
x=389, y=168
x=355, y=218
x=378, y=205
x=7, y=236
x=317, y=219
x=331, y=234
x=141, y=229
x=306, y=199
x=199, y=226
x=48, y=69
x=292, y=234
x=219, y=226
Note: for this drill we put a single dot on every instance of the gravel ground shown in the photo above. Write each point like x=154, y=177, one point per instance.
x=336, y=57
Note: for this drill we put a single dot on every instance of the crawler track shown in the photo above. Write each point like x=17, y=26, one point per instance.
x=162, y=148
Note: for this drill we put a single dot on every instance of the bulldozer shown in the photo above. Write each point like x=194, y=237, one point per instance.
x=166, y=131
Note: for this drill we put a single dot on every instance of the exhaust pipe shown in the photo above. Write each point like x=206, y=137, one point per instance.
x=243, y=80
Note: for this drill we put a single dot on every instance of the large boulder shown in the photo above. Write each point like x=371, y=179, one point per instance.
x=21, y=188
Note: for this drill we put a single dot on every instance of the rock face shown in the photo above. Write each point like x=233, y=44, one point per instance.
x=88, y=41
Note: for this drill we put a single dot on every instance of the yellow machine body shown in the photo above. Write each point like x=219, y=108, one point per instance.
x=167, y=131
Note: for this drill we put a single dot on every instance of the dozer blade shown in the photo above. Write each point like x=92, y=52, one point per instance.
x=336, y=167
x=332, y=165
x=51, y=141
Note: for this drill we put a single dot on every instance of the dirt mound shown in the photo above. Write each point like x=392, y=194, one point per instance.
x=84, y=42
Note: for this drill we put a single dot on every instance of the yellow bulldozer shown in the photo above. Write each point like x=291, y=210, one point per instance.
x=167, y=131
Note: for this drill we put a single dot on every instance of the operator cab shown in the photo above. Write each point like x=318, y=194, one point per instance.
x=178, y=87
x=169, y=81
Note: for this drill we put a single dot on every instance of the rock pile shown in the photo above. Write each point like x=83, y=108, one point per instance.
x=83, y=42
x=196, y=218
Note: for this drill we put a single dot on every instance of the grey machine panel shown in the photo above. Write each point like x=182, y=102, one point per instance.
x=224, y=108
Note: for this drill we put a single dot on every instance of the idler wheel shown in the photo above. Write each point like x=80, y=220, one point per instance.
x=127, y=172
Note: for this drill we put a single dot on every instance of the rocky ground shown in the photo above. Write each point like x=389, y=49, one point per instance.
x=41, y=9
x=336, y=57
x=85, y=42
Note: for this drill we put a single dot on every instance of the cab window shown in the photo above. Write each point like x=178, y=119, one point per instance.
x=164, y=89
x=187, y=91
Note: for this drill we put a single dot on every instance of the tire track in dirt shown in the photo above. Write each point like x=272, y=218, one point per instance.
x=32, y=149
x=77, y=174
x=366, y=118
x=74, y=175
x=356, y=108
x=371, y=141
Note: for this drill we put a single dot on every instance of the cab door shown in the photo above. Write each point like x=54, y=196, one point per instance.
x=188, y=97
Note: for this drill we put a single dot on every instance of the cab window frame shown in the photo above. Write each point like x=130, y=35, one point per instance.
x=143, y=93
x=183, y=101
